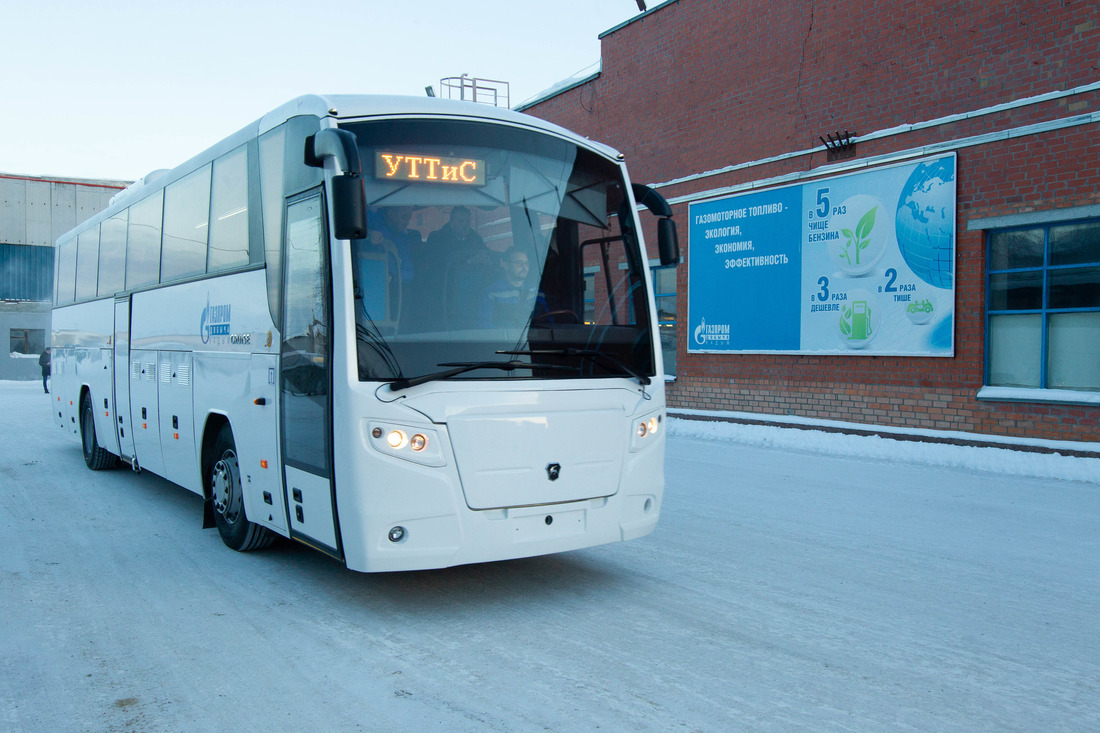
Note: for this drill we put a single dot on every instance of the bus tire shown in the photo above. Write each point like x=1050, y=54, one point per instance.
x=95, y=457
x=227, y=499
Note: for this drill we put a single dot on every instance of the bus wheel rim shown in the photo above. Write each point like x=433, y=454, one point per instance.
x=225, y=487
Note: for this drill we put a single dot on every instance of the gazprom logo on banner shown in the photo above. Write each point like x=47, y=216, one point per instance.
x=711, y=333
x=214, y=322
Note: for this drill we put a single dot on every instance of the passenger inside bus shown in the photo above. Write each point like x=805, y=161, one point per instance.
x=466, y=266
x=454, y=281
x=384, y=264
x=388, y=229
x=457, y=238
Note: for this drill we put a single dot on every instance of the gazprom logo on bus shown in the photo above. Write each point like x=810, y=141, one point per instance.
x=711, y=333
x=214, y=322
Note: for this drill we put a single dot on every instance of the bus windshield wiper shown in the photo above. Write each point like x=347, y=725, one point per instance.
x=461, y=367
x=605, y=359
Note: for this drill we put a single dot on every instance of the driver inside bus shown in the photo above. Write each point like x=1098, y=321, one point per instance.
x=510, y=299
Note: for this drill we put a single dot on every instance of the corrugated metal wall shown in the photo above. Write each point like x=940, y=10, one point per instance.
x=34, y=212
x=26, y=273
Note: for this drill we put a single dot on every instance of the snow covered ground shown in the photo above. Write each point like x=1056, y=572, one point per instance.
x=797, y=581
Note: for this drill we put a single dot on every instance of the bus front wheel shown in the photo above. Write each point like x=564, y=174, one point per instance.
x=227, y=498
x=95, y=457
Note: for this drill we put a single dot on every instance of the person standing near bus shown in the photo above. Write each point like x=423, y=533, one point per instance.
x=44, y=362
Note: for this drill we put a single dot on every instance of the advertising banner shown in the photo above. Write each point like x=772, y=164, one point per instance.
x=858, y=264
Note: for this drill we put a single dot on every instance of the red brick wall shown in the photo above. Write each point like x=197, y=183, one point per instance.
x=697, y=85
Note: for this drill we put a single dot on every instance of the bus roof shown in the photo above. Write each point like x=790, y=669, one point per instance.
x=346, y=107
x=355, y=106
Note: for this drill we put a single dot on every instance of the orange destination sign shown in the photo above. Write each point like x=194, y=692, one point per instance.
x=429, y=169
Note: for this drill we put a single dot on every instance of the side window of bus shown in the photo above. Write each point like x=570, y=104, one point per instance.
x=143, y=242
x=229, y=212
x=112, y=255
x=186, y=224
x=66, y=272
x=282, y=172
x=87, y=263
x=271, y=205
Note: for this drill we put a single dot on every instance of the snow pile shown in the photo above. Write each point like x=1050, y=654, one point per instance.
x=992, y=459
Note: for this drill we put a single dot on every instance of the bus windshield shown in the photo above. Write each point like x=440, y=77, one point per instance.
x=494, y=252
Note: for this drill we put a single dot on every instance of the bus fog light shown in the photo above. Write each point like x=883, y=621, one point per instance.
x=397, y=534
x=397, y=439
x=418, y=442
x=377, y=432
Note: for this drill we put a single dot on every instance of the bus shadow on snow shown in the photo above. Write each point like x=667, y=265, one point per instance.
x=577, y=572
x=521, y=581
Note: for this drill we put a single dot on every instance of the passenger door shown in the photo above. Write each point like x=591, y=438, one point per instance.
x=122, y=379
x=305, y=376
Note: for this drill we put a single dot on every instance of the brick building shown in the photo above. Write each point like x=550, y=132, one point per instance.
x=719, y=101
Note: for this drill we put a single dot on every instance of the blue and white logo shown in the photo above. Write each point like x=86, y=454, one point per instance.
x=711, y=333
x=214, y=321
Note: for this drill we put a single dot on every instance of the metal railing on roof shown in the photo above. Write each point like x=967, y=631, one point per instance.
x=471, y=89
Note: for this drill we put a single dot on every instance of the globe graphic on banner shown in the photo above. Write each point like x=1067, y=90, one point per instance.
x=925, y=222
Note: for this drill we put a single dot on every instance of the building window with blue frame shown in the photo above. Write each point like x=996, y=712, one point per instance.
x=664, y=290
x=1043, y=307
x=590, y=293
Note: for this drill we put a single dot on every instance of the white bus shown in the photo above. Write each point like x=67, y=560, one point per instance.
x=409, y=333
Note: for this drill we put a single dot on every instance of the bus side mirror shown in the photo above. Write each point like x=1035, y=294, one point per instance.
x=349, y=195
x=668, y=244
x=349, y=207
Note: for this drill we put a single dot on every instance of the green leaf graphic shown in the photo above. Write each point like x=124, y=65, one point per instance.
x=866, y=224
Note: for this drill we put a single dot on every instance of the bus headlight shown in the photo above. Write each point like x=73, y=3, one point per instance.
x=645, y=430
x=397, y=439
x=416, y=444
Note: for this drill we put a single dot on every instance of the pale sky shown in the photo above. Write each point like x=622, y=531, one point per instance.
x=117, y=90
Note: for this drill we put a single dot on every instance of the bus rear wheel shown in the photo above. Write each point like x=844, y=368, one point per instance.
x=95, y=457
x=227, y=498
